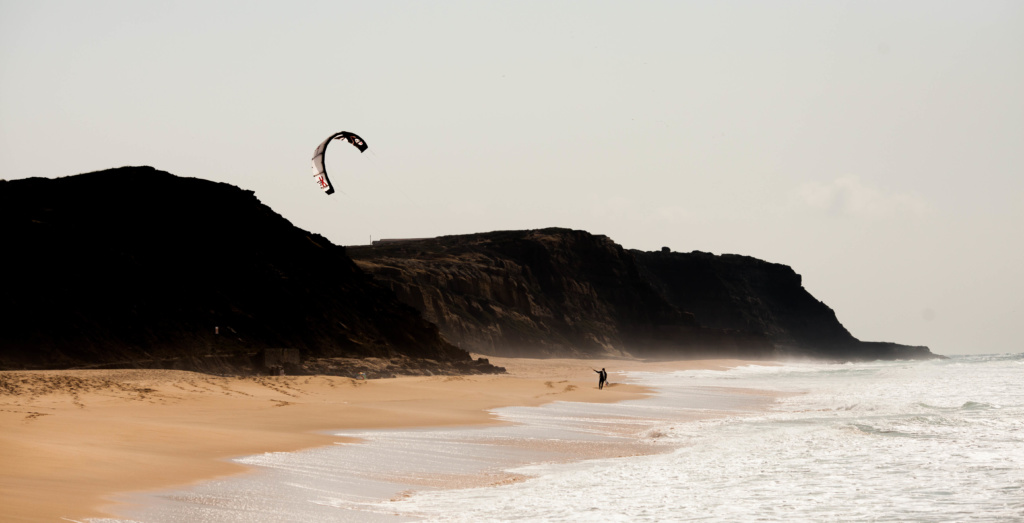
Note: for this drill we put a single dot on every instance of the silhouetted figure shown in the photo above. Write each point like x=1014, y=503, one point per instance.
x=602, y=377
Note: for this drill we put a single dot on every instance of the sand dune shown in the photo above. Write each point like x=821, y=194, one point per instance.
x=72, y=439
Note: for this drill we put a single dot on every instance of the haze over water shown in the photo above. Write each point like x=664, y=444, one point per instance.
x=927, y=441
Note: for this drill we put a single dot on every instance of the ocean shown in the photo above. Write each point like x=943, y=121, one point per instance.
x=938, y=440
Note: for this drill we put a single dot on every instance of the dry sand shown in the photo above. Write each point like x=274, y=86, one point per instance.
x=70, y=440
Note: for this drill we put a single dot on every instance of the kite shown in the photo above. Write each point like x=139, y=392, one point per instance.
x=319, y=170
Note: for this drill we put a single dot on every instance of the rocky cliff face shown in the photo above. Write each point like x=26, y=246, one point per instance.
x=557, y=292
x=137, y=267
x=551, y=292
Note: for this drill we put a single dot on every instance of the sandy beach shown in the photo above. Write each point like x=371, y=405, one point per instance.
x=71, y=440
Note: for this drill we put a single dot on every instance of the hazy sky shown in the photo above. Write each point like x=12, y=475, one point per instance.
x=875, y=147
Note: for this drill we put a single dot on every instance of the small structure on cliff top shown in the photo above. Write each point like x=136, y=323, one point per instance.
x=387, y=241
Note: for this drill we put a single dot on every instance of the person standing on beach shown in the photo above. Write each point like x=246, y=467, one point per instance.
x=602, y=377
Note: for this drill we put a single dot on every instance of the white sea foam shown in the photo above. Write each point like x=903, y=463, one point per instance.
x=884, y=441
x=894, y=441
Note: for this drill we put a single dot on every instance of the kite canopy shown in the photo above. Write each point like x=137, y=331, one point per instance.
x=319, y=170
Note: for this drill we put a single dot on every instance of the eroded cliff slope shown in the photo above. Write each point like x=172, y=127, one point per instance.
x=550, y=292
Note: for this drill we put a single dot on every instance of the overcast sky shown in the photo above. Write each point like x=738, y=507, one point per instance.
x=875, y=147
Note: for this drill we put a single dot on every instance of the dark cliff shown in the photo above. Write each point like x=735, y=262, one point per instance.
x=559, y=292
x=551, y=292
x=138, y=267
x=748, y=295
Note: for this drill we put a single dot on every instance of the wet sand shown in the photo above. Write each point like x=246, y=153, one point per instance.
x=72, y=440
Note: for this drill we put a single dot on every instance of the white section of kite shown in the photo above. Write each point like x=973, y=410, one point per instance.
x=319, y=168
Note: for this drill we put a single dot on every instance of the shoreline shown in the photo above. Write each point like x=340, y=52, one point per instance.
x=73, y=441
